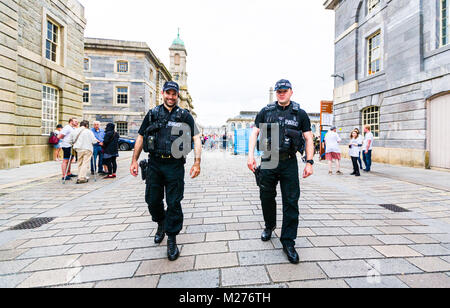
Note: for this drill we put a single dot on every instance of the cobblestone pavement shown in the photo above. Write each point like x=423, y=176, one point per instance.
x=103, y=235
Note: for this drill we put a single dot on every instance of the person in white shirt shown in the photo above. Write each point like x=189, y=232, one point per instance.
x=354, y=151
x=360, y=144
x=83, y=140
x=333, y=152
x=367, y=148
x=67, y=148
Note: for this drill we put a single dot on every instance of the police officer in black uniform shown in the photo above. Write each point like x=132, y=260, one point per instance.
x=294, y=128
x=159, y=135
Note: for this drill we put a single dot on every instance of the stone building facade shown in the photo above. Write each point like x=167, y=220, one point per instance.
x=124, y=81
x=392, y=71
x=245, y=119
x=41, y=77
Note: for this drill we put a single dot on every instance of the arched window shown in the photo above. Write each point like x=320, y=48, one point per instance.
x=371, y=116
x=177, y=59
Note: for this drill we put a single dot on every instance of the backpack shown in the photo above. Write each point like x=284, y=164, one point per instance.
x=53, y=139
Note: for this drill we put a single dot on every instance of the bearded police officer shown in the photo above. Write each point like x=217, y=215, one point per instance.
x=160, y=136
x=292, y=127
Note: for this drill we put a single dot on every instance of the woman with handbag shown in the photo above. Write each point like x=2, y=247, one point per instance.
x=111, y=148
x=354, y=151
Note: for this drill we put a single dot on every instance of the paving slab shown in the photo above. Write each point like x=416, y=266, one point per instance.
x=356, y=252
x=163, y=266
x=393, y=251
x=239, y=276
x=319, y=284
x=106, y=272
x=291, y=272
x=394, y=266
x=202, y=278
x=107, y=257
x=262, y=257
x=346, y=268
x=50, y=278
x=429, y=281
x=430, y=264
x=216, y=261
x=133, y=283
x=376, y=282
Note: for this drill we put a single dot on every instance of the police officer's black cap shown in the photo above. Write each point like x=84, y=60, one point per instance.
x=283, y=84
x=171, y=85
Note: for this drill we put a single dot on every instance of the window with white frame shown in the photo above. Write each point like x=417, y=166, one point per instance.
x=122, y=95
x=371, y=116
x=122, y=128
x=49, y=109
x=86, y=94
x=52, y=41
x=87, y=64
x=374, y=53
x=445, y=22
x=122, y=66
x=372, y=4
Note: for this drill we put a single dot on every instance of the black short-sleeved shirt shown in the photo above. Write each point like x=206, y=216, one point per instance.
x=304, y=121
x=189, y=121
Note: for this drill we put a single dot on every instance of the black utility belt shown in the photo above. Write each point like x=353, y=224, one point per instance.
x=282, y=157
x=163, y=157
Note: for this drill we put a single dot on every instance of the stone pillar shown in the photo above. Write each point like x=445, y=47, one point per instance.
x=9, y=152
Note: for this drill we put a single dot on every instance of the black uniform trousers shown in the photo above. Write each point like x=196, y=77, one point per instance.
x=168, y=175
x=287, y=174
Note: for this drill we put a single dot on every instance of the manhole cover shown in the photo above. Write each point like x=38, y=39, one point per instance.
x=33, y=223
x=394, y=208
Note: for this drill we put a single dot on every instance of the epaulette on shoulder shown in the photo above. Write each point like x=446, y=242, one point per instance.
x=295, y=106
x=270, y=107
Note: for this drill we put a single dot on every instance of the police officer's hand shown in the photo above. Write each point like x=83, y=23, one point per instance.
x=195, y=171
x=308, y=171
x=134, y=169
x=251, y=163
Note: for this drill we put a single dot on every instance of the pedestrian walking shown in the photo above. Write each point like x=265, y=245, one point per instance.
x=165, y=170
x=333, y=152
x=57, y=146
x=354, y=151
x=99, y=134
x=111, y=149
x=367, y=148
x=294, y=125
x=67, y=149
x=83, y=140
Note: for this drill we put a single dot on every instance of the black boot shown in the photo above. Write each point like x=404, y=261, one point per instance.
x=160, y=233
x=291, y=254
x=267, y=234
x=172, y=249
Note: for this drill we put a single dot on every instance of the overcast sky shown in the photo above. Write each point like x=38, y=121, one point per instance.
x=236, y=49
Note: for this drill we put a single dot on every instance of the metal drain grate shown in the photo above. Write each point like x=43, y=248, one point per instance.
x=394, y=208
x=33, y=223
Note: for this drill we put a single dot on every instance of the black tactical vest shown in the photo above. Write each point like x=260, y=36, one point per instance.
x=291, y=136
x=164, y=123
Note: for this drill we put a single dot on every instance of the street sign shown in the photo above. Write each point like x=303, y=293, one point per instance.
x=326, y=113
x=326, y=121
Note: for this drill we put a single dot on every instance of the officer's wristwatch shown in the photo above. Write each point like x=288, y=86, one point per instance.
x=310, y=162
